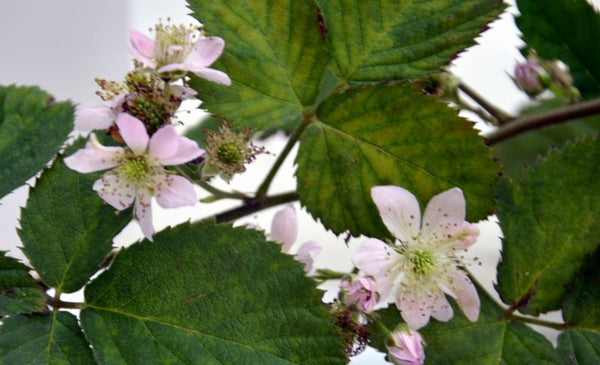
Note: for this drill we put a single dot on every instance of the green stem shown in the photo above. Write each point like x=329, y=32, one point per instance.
x=496, y=112
x=539, y=322
x=264, y=186
x=218, y=193
x=528, y=123
x=479, y=112
x=253, y=206
x=326, y=274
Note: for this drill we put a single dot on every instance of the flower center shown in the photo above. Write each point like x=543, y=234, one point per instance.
x=135, y=169
x=172, y=43
x=422, y=262
x=229, y=154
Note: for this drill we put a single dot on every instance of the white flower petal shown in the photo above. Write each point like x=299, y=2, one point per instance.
x=92, y=115
x=187, y=150
x=176, y=192
x=307, y=253
x=415, y=308
x=284, y=227
x=399, y=210
x=143, y=212
x=94, y=157
x=142, y=47
x=466, y=295
x=444, y=215
x=210, y=74
x=164, y=143
x=113, y=190
x=374, y=258
x=133, y=132
x=206, y=51
x=442, y=310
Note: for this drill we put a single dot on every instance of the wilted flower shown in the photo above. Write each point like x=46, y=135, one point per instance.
x=284, y=229
x=405, y=347
x=137, y=173
x=179, y=48
x=360, y=291
x=421, y=266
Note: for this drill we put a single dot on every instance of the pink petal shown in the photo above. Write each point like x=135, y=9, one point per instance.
x=442, y=310
x=375, y=258
x=133, y=132
x=284, y=227
x=187, y=150
x=307, y=253
x=444, y=215
x=466, y=295
x=206, y=51
x=414, y=308
x=216, y=76
x=91, y=115
x=468, y=236
x=94, y=157
x=142, y=48
x=164, y=143
x=183, y=92
x=173, y=67
x=399, y=210
x=113, y=191
x=143, y=213
x=176, y=192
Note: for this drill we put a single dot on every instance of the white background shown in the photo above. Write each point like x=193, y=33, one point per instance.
x=63, y=45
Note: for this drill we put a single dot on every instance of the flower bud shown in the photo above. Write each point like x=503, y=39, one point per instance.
x=405, y=347
x=531, y=77
x=360, y=292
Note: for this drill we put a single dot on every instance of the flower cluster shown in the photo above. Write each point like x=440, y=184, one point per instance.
x=421, y=266
x=536, y=75
x=139, y=112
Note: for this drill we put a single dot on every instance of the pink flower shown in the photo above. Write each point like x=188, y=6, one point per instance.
x=421, y=266
x=91, y=115
x=176, y=48
x=284, y=229
x=360, y=292
x=137, y=173
x=406, y=347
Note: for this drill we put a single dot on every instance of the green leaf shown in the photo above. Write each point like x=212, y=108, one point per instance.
x=489, y=340
x=398, y=40
x=564, y=30
x=582, y=306
x=579, y=347
x=32, y=129
x=226, y=296
x=524, y=149
x=18, y=292
x=66, y=229
x=549, y=220
x=389, y=135
x=274, y=55
x=53, y=339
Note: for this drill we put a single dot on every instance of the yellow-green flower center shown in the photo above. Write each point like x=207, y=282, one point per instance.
x=135, y=169
x=422, y=262
x=230, y=154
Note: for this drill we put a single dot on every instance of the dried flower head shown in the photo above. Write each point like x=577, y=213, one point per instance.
x=228, y=151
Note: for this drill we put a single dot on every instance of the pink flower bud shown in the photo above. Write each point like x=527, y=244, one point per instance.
x=467, y=236
x=360, y=292
x=405, y=347
x=529, y=76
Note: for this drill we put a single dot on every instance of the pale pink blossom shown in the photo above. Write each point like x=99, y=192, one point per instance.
x=179, y=48
x=93, y=115
x=360, y=291
x=137, y=172
x=421, y=267
x=284, y=229
x=405, y=347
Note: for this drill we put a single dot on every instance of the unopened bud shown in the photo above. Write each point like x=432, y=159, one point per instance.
x=531, y=77
x=405, y=347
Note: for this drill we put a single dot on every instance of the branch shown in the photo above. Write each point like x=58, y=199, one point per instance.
x=496, y=112
x=57, y=303
x=556, y=116
x=254, y=206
